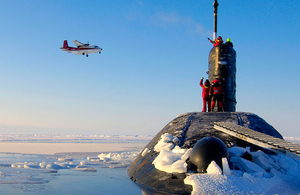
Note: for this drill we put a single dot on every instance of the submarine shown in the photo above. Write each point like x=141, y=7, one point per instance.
x=209, y=136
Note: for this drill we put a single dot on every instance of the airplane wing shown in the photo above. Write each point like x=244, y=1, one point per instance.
x=77, y=43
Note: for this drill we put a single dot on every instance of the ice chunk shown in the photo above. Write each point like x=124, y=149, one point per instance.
x=84, y=168
x=213, y=168
x=225, y=166
x=167, y=137
x=118, y=166
x=165, y=143
x=92, y=158
x=257, y=174
x=236, y=151
x=176, y=140
x=249, y=177
x=248, y=149
x=179, y=166
x=187, y=154
x=65, y=159
x=52, y=166
x=96, y=159
x=178, y=150
x=17, y=165
x=83, y=163
x=259, y=153
x=264, y=163
x=2, y=174
x=64, y=165
x=105, y=157
x=162, y=145
x=170, y=162
x=247, y=165
x=162, y=157
x=286, y=162
x=43, y=165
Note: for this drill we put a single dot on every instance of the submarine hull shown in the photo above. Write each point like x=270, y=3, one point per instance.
x=189, y=128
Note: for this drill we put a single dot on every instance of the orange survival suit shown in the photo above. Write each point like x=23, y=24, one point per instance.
x=216, y=93
x=205, y=95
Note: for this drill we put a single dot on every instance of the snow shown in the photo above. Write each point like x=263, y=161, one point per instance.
x=171, y=158
x=166, y=143
x=265, y=174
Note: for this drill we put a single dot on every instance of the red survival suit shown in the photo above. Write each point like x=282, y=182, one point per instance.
x=216, y=93
x=218, y=41
x=205, y=95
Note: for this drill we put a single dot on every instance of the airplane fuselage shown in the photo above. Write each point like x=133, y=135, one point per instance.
x=83, y=49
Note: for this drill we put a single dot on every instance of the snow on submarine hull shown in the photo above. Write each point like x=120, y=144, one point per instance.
x=189, y=128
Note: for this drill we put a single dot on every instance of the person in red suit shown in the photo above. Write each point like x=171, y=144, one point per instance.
x=216, y=93
x=216, y=42
x=205, y=94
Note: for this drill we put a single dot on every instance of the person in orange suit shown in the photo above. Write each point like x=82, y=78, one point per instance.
x=216, y=42
x=205, y=94
x=216, y=93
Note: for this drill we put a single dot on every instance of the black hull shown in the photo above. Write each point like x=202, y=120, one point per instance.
x=190, y=128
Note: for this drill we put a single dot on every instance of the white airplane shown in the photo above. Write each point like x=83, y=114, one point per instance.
x=81, y=49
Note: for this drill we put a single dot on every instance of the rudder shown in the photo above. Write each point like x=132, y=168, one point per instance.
x=65, y=44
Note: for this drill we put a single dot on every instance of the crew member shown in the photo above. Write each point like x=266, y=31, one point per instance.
x=216, y=93
x=216, y=42
x=229, y=42
x=205, y=95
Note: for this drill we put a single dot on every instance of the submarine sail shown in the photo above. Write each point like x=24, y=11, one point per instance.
x=222, y=64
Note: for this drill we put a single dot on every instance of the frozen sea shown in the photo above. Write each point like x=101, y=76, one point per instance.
x=36, y=164
x=74, y=164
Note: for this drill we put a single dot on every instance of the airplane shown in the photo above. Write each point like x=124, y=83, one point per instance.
x=81, y=49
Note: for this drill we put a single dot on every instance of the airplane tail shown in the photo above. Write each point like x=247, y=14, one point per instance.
x=65, y=44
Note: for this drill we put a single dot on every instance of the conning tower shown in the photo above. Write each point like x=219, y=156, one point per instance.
x=222, y=64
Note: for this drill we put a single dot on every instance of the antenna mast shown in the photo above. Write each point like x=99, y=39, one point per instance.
x=216, y=4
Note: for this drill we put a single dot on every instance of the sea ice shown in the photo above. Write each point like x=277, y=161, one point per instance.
x=261, y=176
x=20, y=172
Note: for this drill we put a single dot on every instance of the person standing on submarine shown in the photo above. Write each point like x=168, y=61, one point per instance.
x=216, y=42
x=205, y=95
x=229, y=42
x=216, y=93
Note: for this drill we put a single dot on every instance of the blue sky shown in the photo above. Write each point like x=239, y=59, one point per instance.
x=154, y=54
